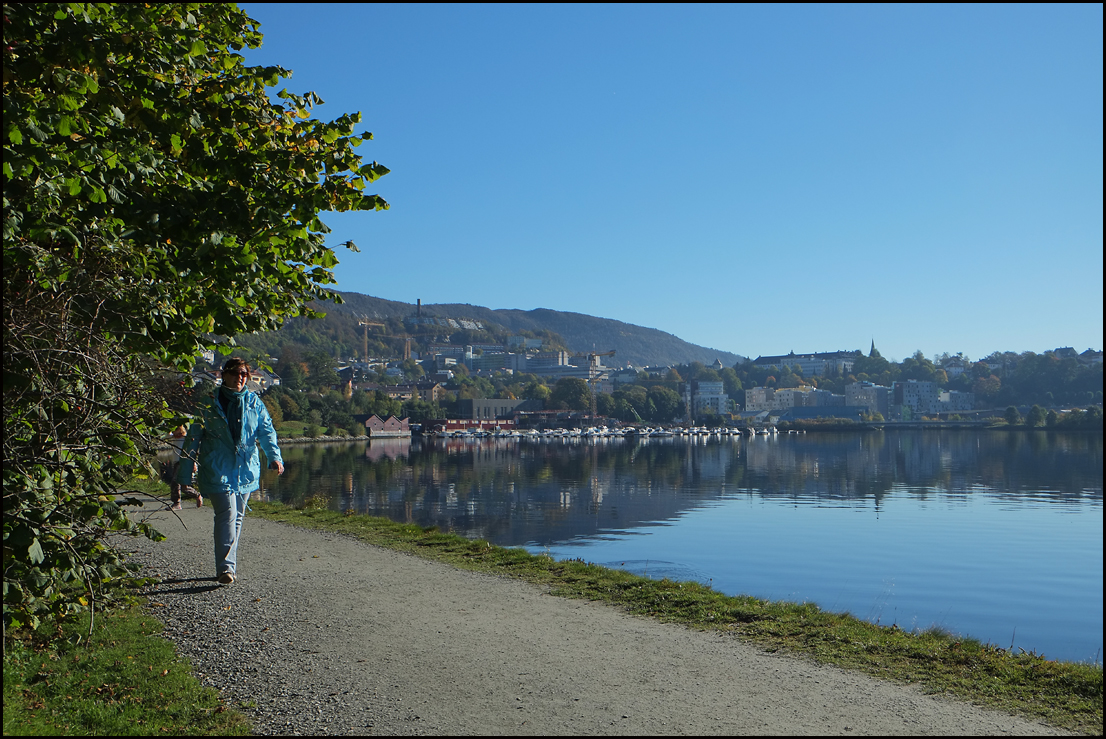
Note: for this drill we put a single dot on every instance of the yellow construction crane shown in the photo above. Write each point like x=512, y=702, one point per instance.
x=592, y=356
x=364, y=321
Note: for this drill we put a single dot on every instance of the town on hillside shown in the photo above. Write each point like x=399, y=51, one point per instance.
x=524, y=383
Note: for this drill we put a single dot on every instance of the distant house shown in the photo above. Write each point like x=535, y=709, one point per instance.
x=391, y=426
x=264, y=378
x=431, y=392
x=1090, y=357
x=955, y=366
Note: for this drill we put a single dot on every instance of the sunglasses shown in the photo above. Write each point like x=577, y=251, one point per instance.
x=232, y=373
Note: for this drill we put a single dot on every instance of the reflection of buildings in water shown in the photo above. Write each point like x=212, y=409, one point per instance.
x=556, y=491
x=392, y=449
x=597, y=490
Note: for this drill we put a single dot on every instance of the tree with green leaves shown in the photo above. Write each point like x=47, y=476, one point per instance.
x=665, y=404
x=155, y=198
x=570, y=393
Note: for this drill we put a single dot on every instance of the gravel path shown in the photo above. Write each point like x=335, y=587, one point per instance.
x=326, y=635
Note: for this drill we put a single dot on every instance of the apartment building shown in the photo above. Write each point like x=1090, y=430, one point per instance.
x=874, y=398
x=953, y=401
x=706, y=397
x=817, y=363
x=918, y=396
x=770, y=399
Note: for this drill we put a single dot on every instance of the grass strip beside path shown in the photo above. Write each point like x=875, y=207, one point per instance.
x=124, y=680
x=1064, y=694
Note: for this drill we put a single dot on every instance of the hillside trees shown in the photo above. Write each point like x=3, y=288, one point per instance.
x=154, y=197
x=570, y=393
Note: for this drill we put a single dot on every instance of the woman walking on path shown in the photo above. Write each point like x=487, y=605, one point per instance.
x=222, y=442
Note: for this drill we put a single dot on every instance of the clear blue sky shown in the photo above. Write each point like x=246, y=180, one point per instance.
x=757, y=179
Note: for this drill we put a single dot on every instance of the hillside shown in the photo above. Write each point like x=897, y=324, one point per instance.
x=633, y=344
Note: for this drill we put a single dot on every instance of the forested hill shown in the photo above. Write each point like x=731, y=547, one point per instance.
x=632, y=344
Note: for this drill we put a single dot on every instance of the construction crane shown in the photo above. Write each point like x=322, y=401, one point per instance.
x=592, y=356
x=364, y=321
x=592, y=362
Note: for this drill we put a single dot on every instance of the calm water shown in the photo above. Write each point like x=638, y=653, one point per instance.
x=995, y=535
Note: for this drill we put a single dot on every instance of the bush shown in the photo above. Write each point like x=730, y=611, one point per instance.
x=118, y=227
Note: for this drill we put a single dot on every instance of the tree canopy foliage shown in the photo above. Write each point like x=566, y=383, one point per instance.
x=155, y=198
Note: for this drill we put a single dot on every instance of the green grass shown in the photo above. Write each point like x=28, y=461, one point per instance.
x=291, y=429
x=124, y=680
x=1064, y=694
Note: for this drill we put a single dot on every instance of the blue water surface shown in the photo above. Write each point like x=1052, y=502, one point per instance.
x=992, y=535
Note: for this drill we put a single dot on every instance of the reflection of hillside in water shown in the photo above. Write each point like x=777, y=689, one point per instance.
x=515, y=493
x=1061, y=467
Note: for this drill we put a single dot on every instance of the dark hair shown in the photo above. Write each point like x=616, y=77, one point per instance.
x=235, y=363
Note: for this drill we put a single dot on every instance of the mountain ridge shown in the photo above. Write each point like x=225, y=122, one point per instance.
x=633, y=344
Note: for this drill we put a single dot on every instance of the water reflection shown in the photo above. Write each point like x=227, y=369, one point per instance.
x=516, y=492
x=984, y=533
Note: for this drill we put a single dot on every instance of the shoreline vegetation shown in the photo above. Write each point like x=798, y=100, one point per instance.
x=1064, y=694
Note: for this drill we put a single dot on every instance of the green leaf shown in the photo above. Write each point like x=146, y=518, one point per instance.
x=144, y=210
x=34, y=553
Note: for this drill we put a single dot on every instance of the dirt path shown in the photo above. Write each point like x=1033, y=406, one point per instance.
x=324, y=634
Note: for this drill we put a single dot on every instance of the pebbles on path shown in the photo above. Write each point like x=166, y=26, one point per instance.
x=323, y=634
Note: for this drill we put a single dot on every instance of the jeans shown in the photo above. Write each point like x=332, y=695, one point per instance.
x=230, y=509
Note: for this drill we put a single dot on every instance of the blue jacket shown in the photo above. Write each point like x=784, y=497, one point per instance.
x=225, y=464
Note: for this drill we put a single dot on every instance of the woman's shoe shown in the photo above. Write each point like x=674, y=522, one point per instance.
x=227, y=578
x=199, y=501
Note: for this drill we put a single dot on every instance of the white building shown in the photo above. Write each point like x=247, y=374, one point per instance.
x=706, y=397
x=918, y=396
x=818, y=363
x=952, y=401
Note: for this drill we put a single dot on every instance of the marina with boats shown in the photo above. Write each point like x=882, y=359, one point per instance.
x=596, y=432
